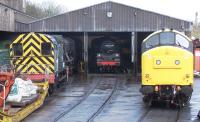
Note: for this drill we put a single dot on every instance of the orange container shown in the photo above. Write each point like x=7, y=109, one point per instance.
x=197, y=59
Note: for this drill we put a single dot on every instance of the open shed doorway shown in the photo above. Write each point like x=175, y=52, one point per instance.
x=140, y=37
x=77, y=39
x=95, y=42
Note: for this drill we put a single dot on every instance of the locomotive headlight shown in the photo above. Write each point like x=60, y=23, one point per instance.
x=177, y=62
x=178, y=88
x=98, y=55
x=156, y=88
x=158, y=62
x=117, y=55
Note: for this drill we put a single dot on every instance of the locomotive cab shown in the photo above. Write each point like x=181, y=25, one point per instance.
x=167, y=67
x=169, y=38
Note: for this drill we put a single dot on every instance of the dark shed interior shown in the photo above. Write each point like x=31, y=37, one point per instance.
x=123, y=39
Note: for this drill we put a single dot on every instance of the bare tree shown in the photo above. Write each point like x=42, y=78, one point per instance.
x=196, y=31
x=196, y=27
x=45, y=9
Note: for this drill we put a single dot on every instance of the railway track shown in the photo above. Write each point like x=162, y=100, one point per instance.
x=86, y=95
x=178, y=114
x=161, y=114
x=108, y=103
x=144, y=115
x=64, y=99
x=104, y=104
x=93, y=103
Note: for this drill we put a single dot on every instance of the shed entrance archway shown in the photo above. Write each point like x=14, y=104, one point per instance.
x=122, y=40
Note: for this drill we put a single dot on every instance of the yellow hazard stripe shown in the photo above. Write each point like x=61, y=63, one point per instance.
x=32, y=45
x=17, y=61
x=31, y=49
x=11, y=53
x=52, y=59
x=45, y=38
x=36, y=37
x=31, y=41
x=38, y=61
x=52, y=45
x=32, y=63
x=24, y=69
x=36, y=66
x=23, y=63
x=47, y=62
x=25, y=38
x=18, y=38
x=32, y=70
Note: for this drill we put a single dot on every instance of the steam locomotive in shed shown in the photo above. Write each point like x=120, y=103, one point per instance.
x=36, y=54
x=167, y=67
x=108, y=56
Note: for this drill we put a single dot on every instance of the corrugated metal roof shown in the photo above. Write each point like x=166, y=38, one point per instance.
x=108, y=17
x=21, y=26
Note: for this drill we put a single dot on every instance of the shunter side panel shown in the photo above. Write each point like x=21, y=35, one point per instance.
x=32, y=61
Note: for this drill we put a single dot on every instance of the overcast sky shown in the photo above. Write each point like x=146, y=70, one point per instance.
x=183, y=9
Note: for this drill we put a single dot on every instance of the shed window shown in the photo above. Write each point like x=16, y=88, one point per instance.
x=17, y=48
x=46, y=49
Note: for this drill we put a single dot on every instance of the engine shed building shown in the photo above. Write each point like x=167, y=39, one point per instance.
x=128, y=25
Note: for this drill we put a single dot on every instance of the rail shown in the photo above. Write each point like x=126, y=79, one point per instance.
x=114, y=89
x=80, y=105
x=94, y=86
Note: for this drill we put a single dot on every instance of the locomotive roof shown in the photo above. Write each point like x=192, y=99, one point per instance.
x=166, y=30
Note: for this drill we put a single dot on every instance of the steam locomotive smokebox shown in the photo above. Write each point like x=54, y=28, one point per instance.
x=109, y=52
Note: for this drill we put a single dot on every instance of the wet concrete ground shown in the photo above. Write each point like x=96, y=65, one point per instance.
x=110, y=99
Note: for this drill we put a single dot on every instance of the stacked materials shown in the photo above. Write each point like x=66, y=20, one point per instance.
x=21, y=89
